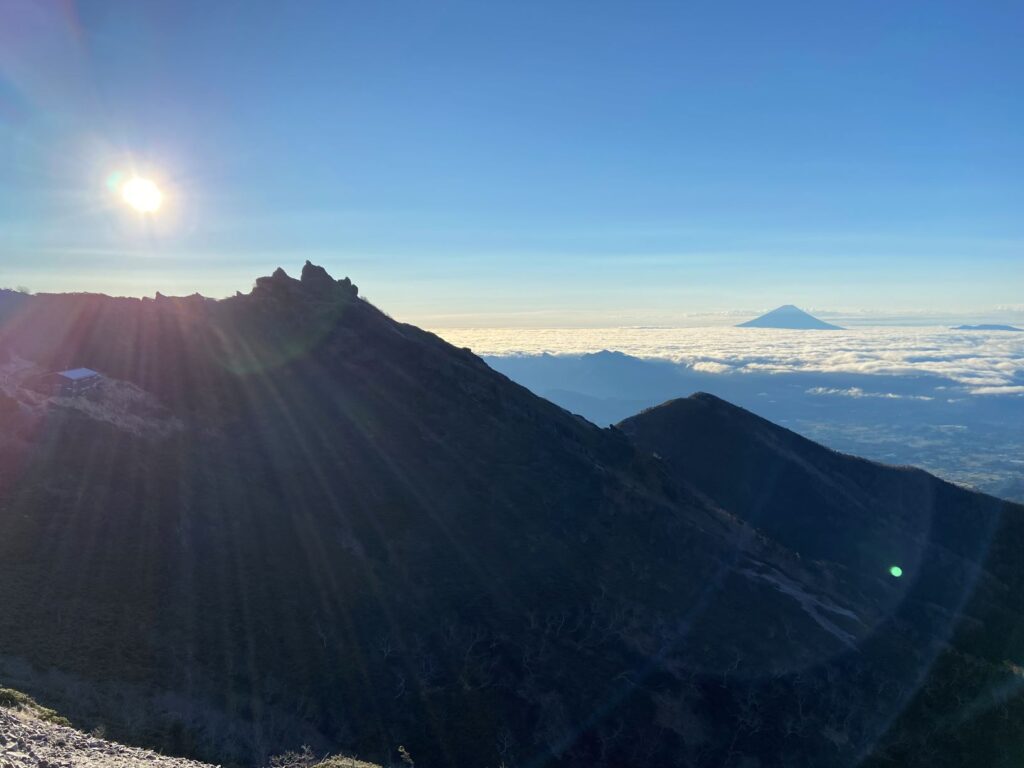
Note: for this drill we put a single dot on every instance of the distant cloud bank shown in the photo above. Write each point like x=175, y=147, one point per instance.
x=858, y=392
x=980, y=363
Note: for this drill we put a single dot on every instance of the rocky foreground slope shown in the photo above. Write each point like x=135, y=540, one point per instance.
x=288, y=519
x=32, y=736
x=29, y=742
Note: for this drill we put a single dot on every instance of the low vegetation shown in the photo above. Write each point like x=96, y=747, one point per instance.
x=306, y=758
x=13, y=699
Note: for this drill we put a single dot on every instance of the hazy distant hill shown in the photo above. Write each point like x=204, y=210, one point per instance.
x=788, y=316
x=286, y=518
x=987, y=327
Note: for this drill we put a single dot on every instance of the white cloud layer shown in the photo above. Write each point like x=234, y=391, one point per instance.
x=1011, y=390
x=979, y=362
x=858, y=393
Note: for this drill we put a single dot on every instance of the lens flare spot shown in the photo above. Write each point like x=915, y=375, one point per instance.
x=114, y=181
x=895, y=571
x=142, y=195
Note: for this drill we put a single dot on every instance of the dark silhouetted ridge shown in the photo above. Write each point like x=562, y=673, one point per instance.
x=814, y=500
x=954, y=548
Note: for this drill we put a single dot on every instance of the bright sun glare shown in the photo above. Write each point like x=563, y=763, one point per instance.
x=142, y=195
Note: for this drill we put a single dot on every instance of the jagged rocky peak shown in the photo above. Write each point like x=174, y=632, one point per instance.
x=279, y=283
x=317, y=278
x=314, y=280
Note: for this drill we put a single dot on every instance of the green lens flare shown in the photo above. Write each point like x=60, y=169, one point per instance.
x=114, y=180
x=896, y=571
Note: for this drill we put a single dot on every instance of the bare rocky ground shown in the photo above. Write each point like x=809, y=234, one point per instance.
x=32, y=736
x=119, y=403
x=27, y=741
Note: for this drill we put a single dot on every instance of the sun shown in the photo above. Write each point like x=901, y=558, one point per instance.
x=142, y=195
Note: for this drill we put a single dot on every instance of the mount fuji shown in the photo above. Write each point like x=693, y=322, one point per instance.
x=788, y=316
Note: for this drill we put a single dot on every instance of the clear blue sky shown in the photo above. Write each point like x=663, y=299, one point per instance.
x=496, y=162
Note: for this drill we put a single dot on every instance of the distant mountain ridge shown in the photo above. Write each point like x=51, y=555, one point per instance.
x=288, y=519
x=790, y=317
x=987, y=327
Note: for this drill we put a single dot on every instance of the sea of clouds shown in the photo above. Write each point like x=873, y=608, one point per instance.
x=949, y=401
x=976, y=362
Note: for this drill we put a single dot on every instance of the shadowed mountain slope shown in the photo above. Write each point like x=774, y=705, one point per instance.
x=957, y=551
x=285, y=518
x=820, y=503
